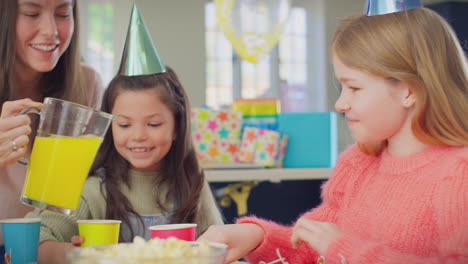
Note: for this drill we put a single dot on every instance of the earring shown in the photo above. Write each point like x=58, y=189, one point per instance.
x=405, y=102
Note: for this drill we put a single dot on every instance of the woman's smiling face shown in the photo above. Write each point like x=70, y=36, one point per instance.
x=44, y=29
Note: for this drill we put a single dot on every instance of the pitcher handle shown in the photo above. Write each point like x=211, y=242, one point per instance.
x=24, y=161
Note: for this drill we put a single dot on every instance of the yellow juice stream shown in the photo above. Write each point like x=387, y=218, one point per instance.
x=58, y=169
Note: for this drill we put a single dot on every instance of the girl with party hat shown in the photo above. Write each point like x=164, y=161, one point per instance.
x=400, y=194
x=146, y=172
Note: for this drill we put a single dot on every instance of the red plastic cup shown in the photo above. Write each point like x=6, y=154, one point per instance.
x=181, y=231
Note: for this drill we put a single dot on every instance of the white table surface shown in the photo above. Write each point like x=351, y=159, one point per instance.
x=272, y=175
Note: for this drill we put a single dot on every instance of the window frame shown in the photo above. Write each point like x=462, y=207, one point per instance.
x=315, y=94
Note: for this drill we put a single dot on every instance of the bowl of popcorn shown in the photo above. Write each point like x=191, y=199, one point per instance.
x=154, y=251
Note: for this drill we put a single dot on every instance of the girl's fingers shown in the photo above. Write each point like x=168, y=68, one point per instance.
x=318, y=235
x=77, y=241
x=301, y=235
x=305, y=230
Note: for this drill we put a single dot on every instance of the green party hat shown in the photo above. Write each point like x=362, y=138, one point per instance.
x=139, y=56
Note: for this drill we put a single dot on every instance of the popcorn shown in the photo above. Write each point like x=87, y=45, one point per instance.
x=171, y=250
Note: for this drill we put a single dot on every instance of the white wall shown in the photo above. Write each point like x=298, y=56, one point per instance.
x=335, y=11
x=177, y=29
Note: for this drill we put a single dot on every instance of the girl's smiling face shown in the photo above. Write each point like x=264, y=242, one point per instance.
x=143, y=130
x=44, y=29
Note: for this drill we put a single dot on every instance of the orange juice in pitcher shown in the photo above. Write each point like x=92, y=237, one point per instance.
x=58, y=168
x=67, y=141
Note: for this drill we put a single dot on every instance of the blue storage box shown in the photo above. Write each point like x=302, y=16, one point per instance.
x=313, y=139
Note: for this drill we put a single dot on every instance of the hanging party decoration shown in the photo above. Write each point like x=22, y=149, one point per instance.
x=252, y=26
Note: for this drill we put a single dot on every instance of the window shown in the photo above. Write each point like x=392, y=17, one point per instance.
x=96, y=20
x=293, y=64
x=282, y=73
x=219, y=66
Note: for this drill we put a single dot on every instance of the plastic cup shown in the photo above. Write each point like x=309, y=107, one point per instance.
x=185, y=232
x=21, y=236
x=99, y=232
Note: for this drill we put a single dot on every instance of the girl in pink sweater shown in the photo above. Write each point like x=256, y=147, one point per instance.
x=400, y=195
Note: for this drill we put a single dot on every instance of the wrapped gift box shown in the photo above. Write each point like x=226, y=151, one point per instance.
x=261, y=113
x=313, y=139
x=216, y=134
x=262, y=146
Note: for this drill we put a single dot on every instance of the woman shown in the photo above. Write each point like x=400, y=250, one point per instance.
x=40, y=57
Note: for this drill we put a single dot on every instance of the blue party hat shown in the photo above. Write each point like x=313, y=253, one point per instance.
x=381, y=7
x=139, y=56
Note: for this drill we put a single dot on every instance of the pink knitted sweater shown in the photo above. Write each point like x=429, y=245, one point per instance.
x=402, y=210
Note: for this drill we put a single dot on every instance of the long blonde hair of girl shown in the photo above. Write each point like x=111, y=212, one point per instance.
x=420, y=48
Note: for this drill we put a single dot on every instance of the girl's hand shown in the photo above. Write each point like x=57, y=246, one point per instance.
x=240, y=238
x=76, y=241
x=319, y=235
x=14, y=130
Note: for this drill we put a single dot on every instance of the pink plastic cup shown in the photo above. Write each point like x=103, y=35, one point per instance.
x=181, y=231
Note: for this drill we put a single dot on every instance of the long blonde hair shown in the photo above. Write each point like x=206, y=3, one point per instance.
x=420, y=48
x=65, y=81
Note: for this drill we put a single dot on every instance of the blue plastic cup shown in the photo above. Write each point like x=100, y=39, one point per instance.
x=21, y=236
